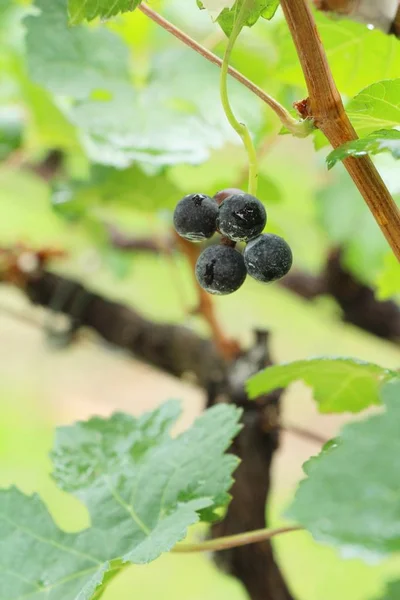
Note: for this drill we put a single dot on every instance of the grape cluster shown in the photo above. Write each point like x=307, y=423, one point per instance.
x=238, y=217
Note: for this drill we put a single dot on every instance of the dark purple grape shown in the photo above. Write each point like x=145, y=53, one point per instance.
x=222, y=194
x=195, y=217
x=220, y=270
x=268, y=257
x=241, y=217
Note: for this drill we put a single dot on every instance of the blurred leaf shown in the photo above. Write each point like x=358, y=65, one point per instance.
x=11, y=130
x=358, y=56
x=388, y=281
x=127, y=125
x=268, y=190
x=376, y=107
x=339, y=384
x=350, y=225
x=142, y=488
x=73, y=61
x=385, y=140
x=130, y=187
x=255, y=10
x=350, y=497
x=392, y=591
x=90, y=9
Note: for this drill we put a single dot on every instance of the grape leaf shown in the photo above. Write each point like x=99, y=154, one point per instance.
x=392, y=591
x=11, y=130
x=73, y=61
x=358, y=56
x=350, y=497
x=90, y=9
x=339, y=384
x=177, y=117
x=350, y=225
x=225, y=11
x=376, y=107
x=385, y=140
x=388, y=281
x=117, y=187
x=142, y=488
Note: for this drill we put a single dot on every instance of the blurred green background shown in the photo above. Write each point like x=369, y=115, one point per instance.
x=135, y=189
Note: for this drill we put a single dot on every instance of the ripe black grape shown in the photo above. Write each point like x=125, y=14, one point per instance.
x=222, y=194
x=268, y=257
x=241, y=217
x=195, y=217
x=220, y=270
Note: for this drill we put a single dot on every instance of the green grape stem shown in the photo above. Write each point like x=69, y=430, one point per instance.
x=234, y=541
x=240, y=128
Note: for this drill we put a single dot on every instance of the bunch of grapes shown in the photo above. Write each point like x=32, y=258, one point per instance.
x=238, y=217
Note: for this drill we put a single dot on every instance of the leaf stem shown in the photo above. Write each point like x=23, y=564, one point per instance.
x=298, y=128
x=240, y=128
x=234, y=541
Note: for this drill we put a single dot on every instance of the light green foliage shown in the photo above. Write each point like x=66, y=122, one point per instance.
x=254, y=10
x=358, y=57
x=73, y=61
x=175, y=118
x=142, y=488
x=106, y=185
x=90, y=9
x=349, y=224
x=339, y=384
x=350, y=497
x=385, y=140
x=388, y=282
x=11, y=128
x=392, y=592
x=376, y=107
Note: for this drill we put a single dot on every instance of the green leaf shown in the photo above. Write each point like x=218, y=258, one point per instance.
x=225, y=11
x=349, y=224
x=358, y=56
x=118, y=124
x=143, y=490
x=339, y=384
x=376, y=107
x=11, y=130
x=385, y=140
x=388, y=282
x=350, y=498
x=392, y=591
x=107, y=186
x=73, y=61
x=90, y=9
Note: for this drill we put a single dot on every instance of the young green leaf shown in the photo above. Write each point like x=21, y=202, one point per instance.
x=225, y=12
x=385, y=140
x=376, y=107
x=339, y=384
x=350, y=498
x=143, y=490
x=358, y=56
x=80, y=10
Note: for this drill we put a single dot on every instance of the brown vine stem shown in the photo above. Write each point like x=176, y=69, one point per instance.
x=234, y=541
x=325, y=106
x=296, y=127
x=228, y=348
